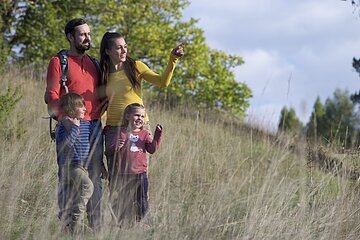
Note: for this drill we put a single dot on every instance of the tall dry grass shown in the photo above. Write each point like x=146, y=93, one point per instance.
x=209, y=180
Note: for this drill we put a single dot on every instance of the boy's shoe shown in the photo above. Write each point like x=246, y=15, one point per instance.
x=93, y=228
x=146, y=221
x=77, y=228
x=68, y=229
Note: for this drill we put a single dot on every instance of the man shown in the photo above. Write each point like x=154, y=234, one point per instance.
x=83, y=78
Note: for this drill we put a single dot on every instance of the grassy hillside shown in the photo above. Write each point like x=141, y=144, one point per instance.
x=209, y=180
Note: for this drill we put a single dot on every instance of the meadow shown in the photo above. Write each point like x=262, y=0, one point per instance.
x=210, y=179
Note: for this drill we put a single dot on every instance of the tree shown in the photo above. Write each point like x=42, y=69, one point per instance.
x=339, y=124
x=355, y=97
x=353, y=2
x=289, y=122
x=37, y=32
x=6, y=19
x=151, y=28
x=316, y=123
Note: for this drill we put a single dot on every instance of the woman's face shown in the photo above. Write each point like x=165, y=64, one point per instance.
x=117, y=51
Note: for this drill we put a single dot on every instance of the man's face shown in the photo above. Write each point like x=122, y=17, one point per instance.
x=81, y=38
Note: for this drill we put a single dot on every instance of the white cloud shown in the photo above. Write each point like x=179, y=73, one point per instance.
x=265, y=72
x=313, y=41
x=270, y=78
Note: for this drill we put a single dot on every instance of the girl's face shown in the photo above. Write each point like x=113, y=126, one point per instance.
x=79, y=112
x=117, y=51
x=136, y=119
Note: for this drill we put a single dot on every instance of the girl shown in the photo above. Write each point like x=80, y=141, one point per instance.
x=130, y=181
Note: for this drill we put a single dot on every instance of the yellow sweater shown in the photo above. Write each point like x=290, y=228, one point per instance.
x=121, y=93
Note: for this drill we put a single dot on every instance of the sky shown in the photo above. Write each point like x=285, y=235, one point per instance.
x=294, y=50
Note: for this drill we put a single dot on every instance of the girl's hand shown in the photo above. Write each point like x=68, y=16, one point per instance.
x=179, y=50
x=159, y=127
x=120, y=145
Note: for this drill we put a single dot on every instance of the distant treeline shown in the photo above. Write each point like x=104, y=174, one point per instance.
x=335, y=123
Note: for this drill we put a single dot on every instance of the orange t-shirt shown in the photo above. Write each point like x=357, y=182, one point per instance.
x=82, y=78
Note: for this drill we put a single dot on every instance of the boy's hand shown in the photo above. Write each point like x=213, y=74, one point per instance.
x=68, y=122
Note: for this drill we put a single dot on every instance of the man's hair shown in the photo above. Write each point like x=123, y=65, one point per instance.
x=70, y=26
x=70, y=101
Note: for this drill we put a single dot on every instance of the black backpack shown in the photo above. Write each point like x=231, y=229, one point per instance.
x=64, y=63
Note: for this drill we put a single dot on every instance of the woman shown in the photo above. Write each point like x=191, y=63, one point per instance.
x=122, y=76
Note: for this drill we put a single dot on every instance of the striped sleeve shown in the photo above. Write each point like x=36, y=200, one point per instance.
x=73, y=144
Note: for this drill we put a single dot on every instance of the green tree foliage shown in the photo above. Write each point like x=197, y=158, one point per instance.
x=289, y=122
x=355, y=97
x=218, y=89
x=316, y=122
x=8, y=102
x=6, y=19
x=353, y=2
x=337, y=123
x=38, y=31
x=11, y=122
x=151, y=28
x=341, y=119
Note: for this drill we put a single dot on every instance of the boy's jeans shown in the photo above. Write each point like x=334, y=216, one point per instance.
x=78, y=187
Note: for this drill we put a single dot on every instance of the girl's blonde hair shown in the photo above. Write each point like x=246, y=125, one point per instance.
x=70, y=101
x=129, y=110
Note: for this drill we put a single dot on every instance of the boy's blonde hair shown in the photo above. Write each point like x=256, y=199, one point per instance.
x=129, y=110
x=70, y=101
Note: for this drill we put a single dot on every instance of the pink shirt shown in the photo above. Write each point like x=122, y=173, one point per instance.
x=132, y=157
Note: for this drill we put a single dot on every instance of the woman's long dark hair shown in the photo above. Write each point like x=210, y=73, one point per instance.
x=129, y=65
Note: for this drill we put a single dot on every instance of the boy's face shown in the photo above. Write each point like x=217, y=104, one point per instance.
x=79, y=112
x=136, y=119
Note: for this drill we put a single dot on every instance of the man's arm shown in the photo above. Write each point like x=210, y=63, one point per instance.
x=53, y=83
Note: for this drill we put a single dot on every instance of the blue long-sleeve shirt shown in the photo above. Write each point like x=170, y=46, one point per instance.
x=73, y=144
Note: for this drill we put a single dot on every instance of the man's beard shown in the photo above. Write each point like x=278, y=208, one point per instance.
x=80, y=48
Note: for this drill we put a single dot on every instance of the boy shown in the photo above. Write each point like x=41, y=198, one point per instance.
x=72, y=148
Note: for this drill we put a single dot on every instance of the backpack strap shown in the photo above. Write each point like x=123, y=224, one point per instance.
x=96, y=63
x=64, y=63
